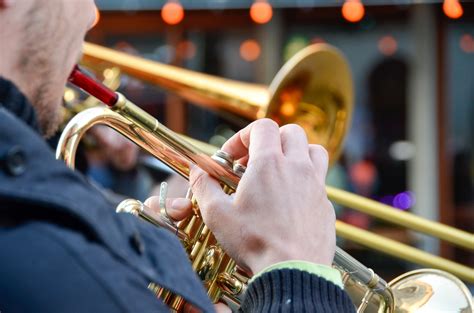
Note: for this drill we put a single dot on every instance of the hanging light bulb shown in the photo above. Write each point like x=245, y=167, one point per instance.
x=353, y=10
x=172, y=12
x=452, y=9
x=261, y=12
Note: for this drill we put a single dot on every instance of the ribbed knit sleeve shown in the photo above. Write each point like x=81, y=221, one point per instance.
x=290, y=290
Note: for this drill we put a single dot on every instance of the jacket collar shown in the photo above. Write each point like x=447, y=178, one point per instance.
x=12, y=99
x=44, y=180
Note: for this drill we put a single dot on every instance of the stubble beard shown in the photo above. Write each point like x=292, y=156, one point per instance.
x=48, y=109
x=39, y=70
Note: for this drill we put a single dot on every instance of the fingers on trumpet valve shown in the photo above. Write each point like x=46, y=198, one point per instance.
x=176, y=209
x=170, y=209
x=226, y=159
x=162, y=200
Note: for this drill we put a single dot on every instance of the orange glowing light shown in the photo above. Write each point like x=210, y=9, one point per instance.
x=172, y=13
x=97, y=17
x=353, y=10
x=261, y=12
x=452, y=9
x=388, y=45
x=287, y=109
x=467, y=43
x=250, y=50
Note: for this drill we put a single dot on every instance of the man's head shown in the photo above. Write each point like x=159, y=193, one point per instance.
x=41, y=41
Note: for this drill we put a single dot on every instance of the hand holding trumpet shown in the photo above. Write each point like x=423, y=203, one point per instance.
x=259, y=231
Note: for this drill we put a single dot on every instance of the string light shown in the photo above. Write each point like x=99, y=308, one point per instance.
x=250, y=50
x=452, y=9
x=353, y=10
x=261, y=12
x=172, y=13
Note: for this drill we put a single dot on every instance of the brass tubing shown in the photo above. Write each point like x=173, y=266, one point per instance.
x=395, y=216
x=365, y=276
x=402, y=251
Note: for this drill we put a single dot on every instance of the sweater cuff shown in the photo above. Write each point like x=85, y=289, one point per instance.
x=290, y=290
x=328, y=273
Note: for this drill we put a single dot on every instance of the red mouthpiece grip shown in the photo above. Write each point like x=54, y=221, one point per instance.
x=92, y=87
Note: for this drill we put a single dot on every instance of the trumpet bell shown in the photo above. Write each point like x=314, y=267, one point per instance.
x=430, y=290
x=423, y=290
x=314, y=90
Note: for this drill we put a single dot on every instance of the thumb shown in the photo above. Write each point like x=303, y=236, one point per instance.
x=211, y=198
x=222, y=308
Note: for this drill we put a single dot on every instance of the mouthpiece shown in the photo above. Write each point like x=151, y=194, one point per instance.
x=93, y=87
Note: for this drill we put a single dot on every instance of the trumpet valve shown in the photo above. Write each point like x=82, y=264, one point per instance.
x=230, y=284
x=130, y=206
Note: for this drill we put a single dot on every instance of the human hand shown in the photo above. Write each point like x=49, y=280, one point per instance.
x=280, y=210
x=176, y=208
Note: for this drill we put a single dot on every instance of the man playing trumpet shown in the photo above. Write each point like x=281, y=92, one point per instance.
x=64, y=249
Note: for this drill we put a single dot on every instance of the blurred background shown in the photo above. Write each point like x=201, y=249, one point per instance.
x=410, y=144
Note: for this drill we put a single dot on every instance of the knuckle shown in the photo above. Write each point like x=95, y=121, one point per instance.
x=307, y=169
x=266, y=127
x=321, y=152
x=266, y=123
x=293, y=129
x=267, y=159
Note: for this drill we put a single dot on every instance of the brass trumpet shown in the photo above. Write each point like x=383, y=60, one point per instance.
x=219, y=273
